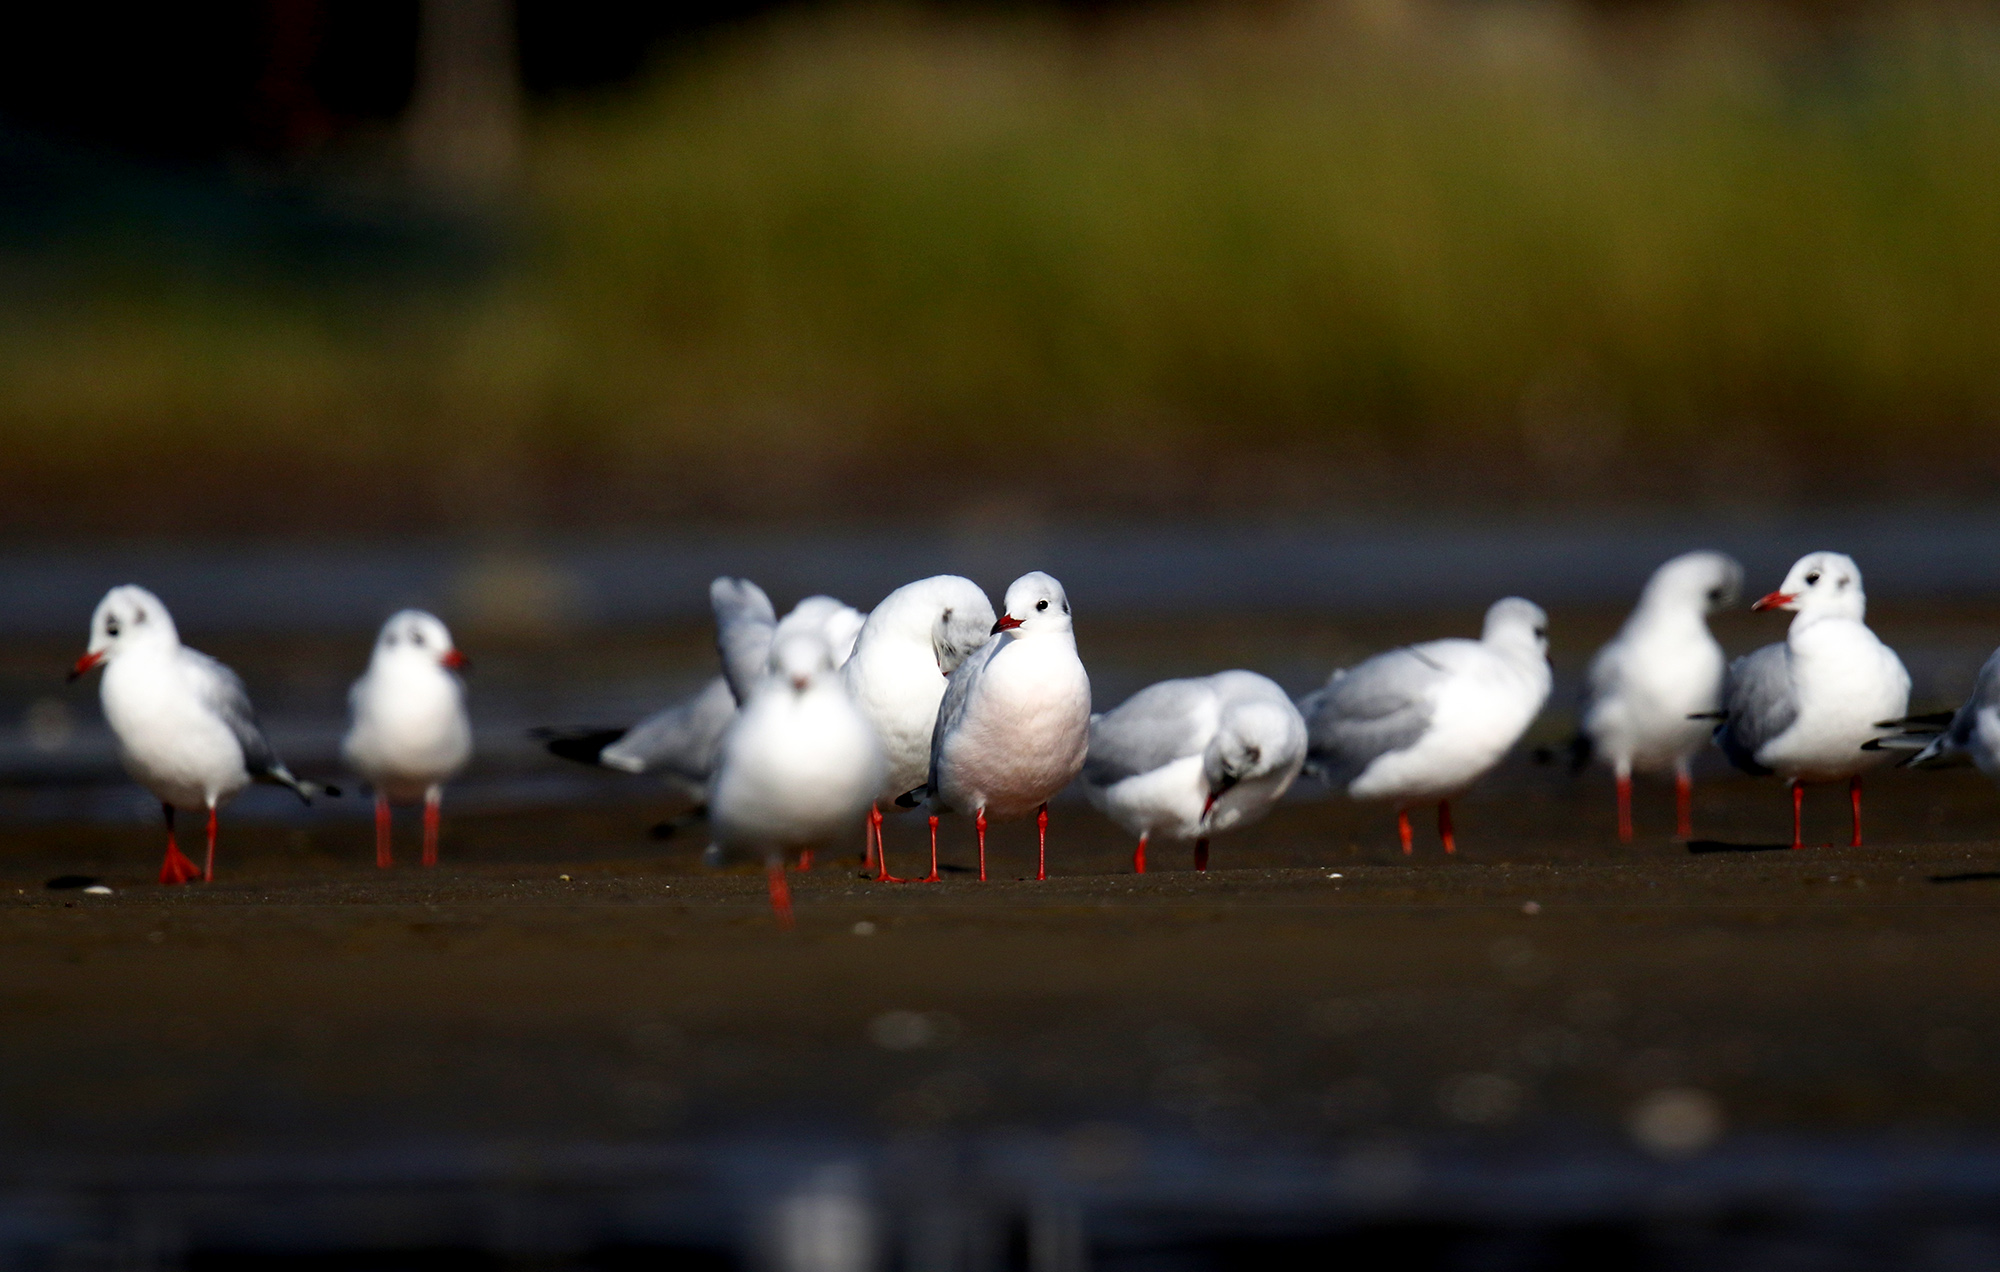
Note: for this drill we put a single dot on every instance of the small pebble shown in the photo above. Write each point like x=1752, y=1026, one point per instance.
x=98, y=890
x=1531, y=907
x=564, y=878
x=1336, y=876
x=864, y=928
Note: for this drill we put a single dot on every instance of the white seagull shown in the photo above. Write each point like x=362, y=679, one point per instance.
x=183, y=721
x=682, y=742
x=1807, y=709
x=1427, y=721
x=798, y=766
x=1663, y=670
x=910, y=644
x=1014, y=725
x=1192, y=758
x=410, y=733
x=1970, y=733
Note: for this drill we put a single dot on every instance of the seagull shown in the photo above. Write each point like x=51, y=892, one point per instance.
x=1970, y=733
x=1191, y=758
x=1650, y=683
x=910, y=644
x=410, y=733
x=184, y=725
x=682, y=742
x=1425, y=722
x=1014, y=725
x=1807, y=709
x=800, y=763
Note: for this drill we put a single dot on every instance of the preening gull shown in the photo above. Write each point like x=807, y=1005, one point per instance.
x=1014, y=724
x=798, y=766
x=1663, y=669
x=410, y=733
x=1192, y=758
x=908, y=647
x=1425, y=722
x=185, y=728
x=1807, y=708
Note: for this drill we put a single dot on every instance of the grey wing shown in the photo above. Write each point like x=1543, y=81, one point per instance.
x=680, y=741
x=1156, y=726
x=957, y=692
x=1383, y=705
x=223, y=692
x=1960, y=735
x=744, y=625
x=1758, y=704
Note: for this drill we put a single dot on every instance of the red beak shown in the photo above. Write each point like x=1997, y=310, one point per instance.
x=455, y=660
x=85, y=663
x=1774, y=600
x=1007, y=622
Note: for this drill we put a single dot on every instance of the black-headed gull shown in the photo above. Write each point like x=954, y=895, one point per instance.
x=185, y=728
x=799, y=765
x=1192, y=758
x=1649, y=683
x=1014, y=724
x=681, y=742
x=410, y=733
x=1807, y=708
x=910, y=644
x=1425, y=722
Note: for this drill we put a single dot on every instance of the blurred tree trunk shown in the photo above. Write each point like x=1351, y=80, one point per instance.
x=464, y=125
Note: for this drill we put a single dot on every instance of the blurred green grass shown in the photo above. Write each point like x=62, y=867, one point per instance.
x=1254, y=259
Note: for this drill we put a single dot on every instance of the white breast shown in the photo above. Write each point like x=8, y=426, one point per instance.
x=410, y=729
x=796, y=769
x=1479, y=711
x=171, y=742
x=1024, y=731
x=897, y=684
x=1845, y=681
x=1657, y=680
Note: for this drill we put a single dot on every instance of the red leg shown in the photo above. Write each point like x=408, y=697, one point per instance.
x=979, y=824
x=1042, y=837
x=1854, y=794
x=1624, y=808
x=1798, y=808
x=781, y=893
x=1683, y=805
x=805, y=858
x=176, y=868
x=882, y=848
x=933, y=876
x=1201, y=853
x=1444, y=826
x=433, y=802
x=208, y=870
x=1139, y=856
x=1403, y=829
x=384, y=858
x=868, y=832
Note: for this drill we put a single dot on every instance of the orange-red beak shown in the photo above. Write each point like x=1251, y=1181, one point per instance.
x=455, y=660
x=1775, y=600
x=1007, y=622
x=86, y=663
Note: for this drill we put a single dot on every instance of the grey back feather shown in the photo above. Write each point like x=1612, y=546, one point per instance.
x=223, y=693
x=1156, y=726
x=745, y=623
x=1366, y=712
x=957, y=692
x=1758, y=704
x=681, y=741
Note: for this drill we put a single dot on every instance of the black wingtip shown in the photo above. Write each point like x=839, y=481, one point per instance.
x=583, y=746
x=912, y=798
x=1708, y=715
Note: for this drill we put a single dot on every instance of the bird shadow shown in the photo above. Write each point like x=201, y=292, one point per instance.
x=1703, y=846
x=63, y=883
x=1969, y=876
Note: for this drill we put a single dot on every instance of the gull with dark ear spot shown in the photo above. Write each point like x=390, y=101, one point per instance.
x=1649, y=686
x=410, y=732
x=185, y=728
x=1808, y=708
x=1014, y=724
x=1425, y=722
x=1192, y=758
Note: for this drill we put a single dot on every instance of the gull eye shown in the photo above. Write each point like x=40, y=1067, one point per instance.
x=947, y=615
x=417, y=639
x=1812, y=578
x=1541, y=633
x=110, y=627
x=1041, y=605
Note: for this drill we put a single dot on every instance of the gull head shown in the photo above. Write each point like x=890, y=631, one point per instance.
x=415, y=635
x=1255, y=738
x=1702, y=581
x=800, y=660
x=1513, y=623
x=1822, y=584
x=964, y=620
x=1036, y=605
x=128, y=617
